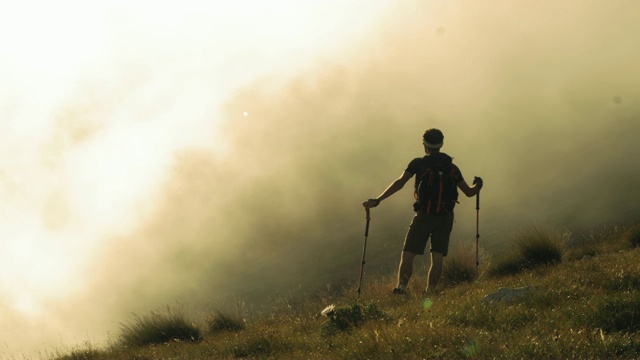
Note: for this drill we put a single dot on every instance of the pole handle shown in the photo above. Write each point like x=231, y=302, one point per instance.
x=368, y=217
x=475, y=180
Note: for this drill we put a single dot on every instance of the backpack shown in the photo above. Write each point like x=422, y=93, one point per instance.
x=437, y=191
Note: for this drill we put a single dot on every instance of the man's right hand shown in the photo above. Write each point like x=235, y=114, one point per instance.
x=371, y=203
x=477, y=181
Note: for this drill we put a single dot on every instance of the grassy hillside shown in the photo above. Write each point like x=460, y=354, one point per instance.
x=583, y=302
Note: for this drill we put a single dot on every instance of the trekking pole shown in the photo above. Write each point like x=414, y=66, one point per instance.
x=364, y=250
x=477, y=229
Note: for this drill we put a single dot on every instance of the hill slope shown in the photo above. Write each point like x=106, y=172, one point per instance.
x=587, y=306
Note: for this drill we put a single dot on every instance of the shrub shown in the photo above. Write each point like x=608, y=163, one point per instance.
x=158, y=328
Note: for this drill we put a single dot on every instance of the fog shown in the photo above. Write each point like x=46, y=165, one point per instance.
x=184, y=157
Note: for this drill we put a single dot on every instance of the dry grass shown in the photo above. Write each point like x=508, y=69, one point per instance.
x=533, y=246
x=159, y=327
x=225, y=321
x=632, y=235
x=460, y=265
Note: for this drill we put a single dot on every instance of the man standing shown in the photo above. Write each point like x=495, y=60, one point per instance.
x=436, y=184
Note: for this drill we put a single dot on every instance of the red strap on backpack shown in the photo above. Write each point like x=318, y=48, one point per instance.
x=440, y=196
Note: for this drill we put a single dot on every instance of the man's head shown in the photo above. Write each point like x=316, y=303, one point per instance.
x=432, y=140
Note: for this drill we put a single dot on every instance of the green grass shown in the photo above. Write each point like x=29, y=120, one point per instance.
x=620, y=313
x=583, y=307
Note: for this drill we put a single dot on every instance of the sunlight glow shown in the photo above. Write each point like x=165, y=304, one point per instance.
x=99, y=96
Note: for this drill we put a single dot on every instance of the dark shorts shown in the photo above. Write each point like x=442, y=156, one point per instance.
x=424, y=226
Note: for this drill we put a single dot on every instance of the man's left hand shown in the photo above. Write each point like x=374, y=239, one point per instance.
x=371, y=203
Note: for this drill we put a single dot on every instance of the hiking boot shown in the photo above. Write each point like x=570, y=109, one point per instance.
x=398, y=291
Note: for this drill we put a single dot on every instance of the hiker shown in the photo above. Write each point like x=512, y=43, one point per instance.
x=436, y=184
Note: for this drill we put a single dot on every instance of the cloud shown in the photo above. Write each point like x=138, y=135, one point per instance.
x=531, y=103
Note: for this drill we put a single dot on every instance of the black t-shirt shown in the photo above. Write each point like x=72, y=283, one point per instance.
x=415, y=167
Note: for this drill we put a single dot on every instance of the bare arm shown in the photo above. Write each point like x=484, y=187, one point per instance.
x=469, y=190
x=391, y=189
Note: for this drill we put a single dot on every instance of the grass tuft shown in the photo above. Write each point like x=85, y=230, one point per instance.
x=617, y=315
x=623, y=282
x=633, y=236
x=346, y=317
x=260, y=346
x=534, y=246
x=460, y=266
x=221, y=321
x=86, y=352
x=158, y=327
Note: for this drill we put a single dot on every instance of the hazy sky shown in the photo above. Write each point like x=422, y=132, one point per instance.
x=96, y=97
x=153, y=151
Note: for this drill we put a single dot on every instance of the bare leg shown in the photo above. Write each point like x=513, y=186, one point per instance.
x=435, y=271
x=406, y=268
